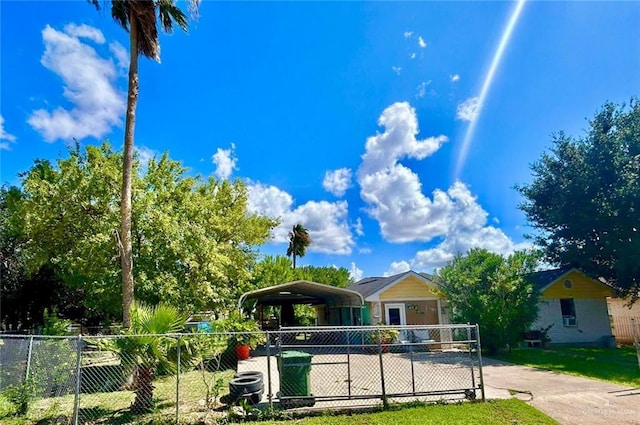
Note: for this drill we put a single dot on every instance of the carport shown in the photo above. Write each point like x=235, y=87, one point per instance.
x=333, y=305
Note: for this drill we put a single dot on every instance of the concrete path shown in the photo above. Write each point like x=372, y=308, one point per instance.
x=568, y=399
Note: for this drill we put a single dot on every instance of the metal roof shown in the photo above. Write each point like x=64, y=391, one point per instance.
x=303, y=292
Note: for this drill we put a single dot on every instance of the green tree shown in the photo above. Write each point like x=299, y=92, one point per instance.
x=274, y=270
x=329, y=275
x=194, y=240
x=492, y=291
x=141, y=19
x=299, y=240
x=584, y=200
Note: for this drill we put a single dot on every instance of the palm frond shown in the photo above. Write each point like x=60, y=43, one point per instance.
x=169, y=12
x=120, y=12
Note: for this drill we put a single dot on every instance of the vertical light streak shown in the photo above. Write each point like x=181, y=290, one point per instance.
x=486, y=86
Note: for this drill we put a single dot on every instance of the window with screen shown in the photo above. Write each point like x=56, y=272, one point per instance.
x=568, y=308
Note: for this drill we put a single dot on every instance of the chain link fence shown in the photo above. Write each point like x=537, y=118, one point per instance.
x=190, y=378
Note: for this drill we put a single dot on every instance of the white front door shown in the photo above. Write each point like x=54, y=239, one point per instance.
x=394, y=314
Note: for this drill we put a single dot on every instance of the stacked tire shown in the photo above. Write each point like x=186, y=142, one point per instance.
x=248, y=385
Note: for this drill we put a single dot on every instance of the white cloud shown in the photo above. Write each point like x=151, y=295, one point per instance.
x=455, y=78
x=121, y=55
x=468, y=110
x=407, y=34
x=412, y=55
x=327, y=222
x=393, y=194
x=85, y=31
x=383, y=151
x=337, y=181
x=358, y=227
x=421, y=90
x=421, y=42
x=365, y=250
x=88, y=79
x=355, y=273
x=396, y=69
x=397, y=267
x=225, y=162
x=10, y=138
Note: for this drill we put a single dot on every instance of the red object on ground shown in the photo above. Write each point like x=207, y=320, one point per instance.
x=243, y=352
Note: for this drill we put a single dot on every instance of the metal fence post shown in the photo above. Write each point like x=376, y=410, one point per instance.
x=270, y=392
x=178, y=382
x=26, y=374
x=384, y=391
x=348, y=364
x=76, y=395
x=480, y=361
x=470, y=344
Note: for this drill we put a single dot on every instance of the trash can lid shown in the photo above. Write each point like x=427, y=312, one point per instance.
x=292, y=354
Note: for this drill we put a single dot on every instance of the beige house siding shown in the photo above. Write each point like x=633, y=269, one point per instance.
x=409, y=288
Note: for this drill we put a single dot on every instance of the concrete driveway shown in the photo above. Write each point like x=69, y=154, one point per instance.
x=568, y=399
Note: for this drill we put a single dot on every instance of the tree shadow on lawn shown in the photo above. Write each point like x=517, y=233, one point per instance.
x=161, y=413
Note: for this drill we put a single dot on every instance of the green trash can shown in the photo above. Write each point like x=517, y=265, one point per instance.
x=295, y=370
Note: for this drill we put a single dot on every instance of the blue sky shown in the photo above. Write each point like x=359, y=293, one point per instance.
x=348, y=117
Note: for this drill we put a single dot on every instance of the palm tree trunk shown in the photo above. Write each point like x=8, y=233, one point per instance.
x=126, y=256
x=144, y=390
x=294, y=261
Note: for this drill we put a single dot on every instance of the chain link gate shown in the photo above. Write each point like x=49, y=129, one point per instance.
x=344, y=366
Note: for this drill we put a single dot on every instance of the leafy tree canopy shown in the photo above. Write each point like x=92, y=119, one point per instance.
x=193, y=239
x=492, y=291
x=274, y=270
x=584, y=199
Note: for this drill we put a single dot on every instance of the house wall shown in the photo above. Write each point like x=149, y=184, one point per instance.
x=410, y=287
x=583, y=287
x=417, y=312
x=592, y=321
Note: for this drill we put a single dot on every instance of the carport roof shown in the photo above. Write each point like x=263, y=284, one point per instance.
x=303, y=292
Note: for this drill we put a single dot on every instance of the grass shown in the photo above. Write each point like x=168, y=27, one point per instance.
x=617, y=365
x=496, y=412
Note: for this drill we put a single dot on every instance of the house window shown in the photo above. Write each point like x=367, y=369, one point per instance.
x=568, y=312
x=568, y=284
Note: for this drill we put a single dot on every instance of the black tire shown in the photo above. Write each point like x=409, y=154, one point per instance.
x=239, y=386
x=250, y=373
x=255, y=398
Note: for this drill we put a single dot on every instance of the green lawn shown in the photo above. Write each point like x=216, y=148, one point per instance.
x=618, y=365
x=507, y=412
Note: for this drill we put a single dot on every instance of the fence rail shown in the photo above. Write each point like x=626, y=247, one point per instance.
x=189, y=377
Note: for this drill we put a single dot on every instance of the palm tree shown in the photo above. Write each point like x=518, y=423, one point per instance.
x=146, y=346
x=140, y=18
x=299, y=240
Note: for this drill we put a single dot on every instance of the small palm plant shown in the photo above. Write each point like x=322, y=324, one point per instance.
x=148, y=344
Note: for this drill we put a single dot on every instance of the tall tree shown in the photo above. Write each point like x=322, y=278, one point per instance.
x=141, y=19
x=584, y=199
x=299, y=240
x=193, y=239
x=492, y=291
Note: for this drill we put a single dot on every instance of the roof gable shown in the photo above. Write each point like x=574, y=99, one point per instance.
x=545, y=280
x=371, y=287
